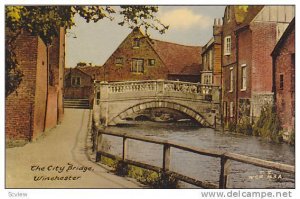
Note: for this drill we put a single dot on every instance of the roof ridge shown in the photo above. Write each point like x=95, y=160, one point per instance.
x=176, y=43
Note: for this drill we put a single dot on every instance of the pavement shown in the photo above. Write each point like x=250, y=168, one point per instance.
x=60, y=158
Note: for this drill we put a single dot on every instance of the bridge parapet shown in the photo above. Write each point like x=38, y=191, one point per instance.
x=149, y=88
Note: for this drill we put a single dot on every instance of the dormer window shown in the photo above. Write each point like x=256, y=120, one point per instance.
x=136, y=43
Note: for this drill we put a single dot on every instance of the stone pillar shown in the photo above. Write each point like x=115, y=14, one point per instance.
x=160, y=87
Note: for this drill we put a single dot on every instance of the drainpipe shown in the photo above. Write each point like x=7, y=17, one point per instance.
x=222, y=85
x=274, y=77
x=237, y=78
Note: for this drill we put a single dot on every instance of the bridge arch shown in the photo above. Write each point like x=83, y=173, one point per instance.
x=160, y=104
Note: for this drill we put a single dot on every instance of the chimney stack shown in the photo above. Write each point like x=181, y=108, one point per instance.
x=217, y=28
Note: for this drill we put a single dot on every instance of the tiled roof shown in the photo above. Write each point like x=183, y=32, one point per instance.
x=177, y=57
x=193, y=69
x=93, y=71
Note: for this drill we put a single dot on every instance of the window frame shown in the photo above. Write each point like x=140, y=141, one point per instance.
x=149, y=62
x=281, y=81
x=210, y=60
x=243, y=77
x=121, y=62
x=231, y=110
x=137, y=66
x=136, y=42
x=77, y=83
x=231, y=79
x=227, y=45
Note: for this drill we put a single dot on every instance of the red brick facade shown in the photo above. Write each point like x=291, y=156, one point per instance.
x=284, y=79
x=141, y=58
x=77, y=90
x=33, y=108
x=253, y=36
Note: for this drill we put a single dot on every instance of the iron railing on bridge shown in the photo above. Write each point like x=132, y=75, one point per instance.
x=225, y=159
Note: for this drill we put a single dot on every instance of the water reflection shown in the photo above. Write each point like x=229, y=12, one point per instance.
x=207, y=168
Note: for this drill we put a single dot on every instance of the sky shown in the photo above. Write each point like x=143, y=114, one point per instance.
x=95, y=42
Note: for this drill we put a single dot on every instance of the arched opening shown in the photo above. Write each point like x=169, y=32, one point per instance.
x=142, y=118
x=160, y=104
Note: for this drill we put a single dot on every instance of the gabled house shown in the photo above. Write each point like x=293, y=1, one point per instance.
x=248, y=38
x=284, y=79
x=140, y=58
x=79, y=82
x=37, y=103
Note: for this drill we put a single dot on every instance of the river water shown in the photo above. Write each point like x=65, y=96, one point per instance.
x=202, y=167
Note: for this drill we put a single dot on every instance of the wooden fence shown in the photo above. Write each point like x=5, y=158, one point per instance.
x=225, y=159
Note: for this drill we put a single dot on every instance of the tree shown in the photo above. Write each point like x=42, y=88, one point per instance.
x=44, y=21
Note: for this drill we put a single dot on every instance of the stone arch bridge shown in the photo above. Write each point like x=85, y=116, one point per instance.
x=116, y=101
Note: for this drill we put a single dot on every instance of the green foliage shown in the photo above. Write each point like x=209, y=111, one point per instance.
x=244, y=127
x=109, y=162
x=231, y=127
x=244, y=8
x=268, y=124
x=144, y=176
x=45, y=21
x=152, y=178
x=13, y=74
x=292, y=138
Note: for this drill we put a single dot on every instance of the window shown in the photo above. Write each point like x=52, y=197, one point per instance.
x=75, y=81
x=119, y=61
x=231, y=109
x=244, y=78
x=210, y=64
x=231, y=80
x=137, y=66
x=136, y=43
x=281, y=82
x=204, y=61
x=227, y=45
x=151, y=62
x=225, y=109
x=207, y=78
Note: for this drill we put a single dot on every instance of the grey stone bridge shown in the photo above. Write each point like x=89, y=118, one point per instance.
x=116, y=101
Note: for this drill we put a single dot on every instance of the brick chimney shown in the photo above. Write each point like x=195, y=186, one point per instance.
x=217, y=28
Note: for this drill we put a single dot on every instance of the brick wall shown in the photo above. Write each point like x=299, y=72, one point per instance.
x=20, y=106
x=26, y=109
x=285, y=98
x=228, y=62
x=263, y=43
x=115, y=72
x=245, y=58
